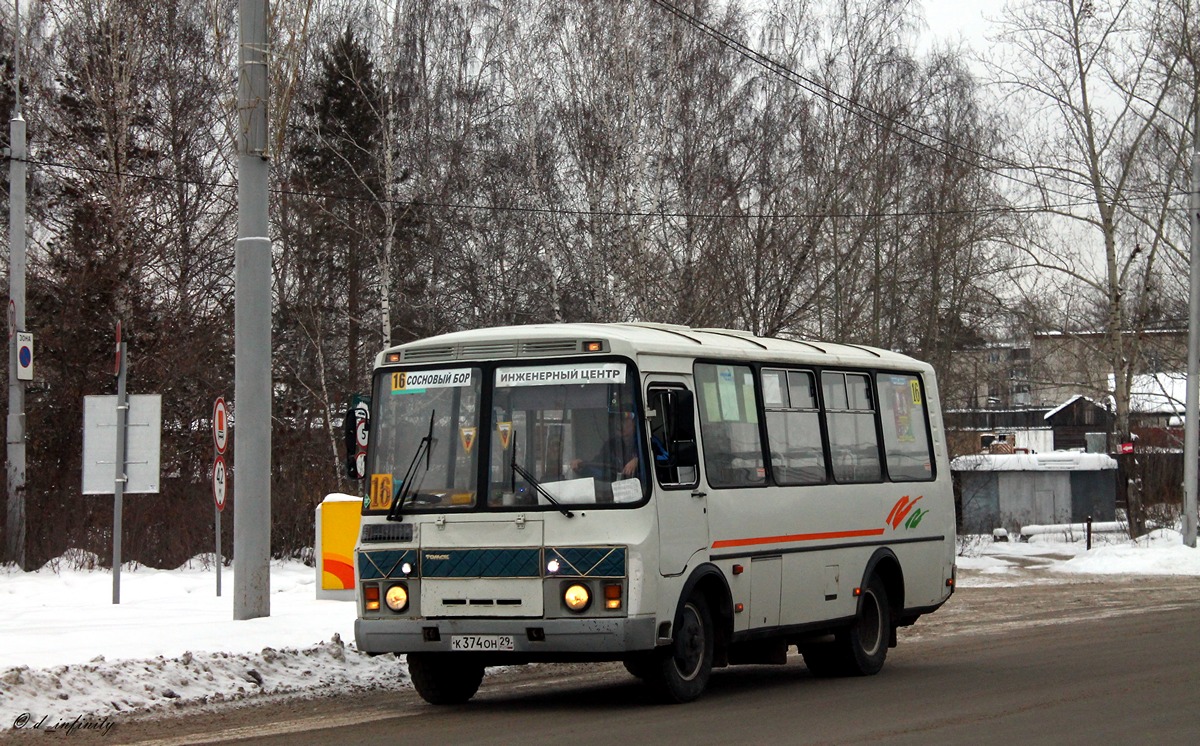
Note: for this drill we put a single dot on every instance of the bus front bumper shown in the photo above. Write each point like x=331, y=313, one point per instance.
x=559, y=637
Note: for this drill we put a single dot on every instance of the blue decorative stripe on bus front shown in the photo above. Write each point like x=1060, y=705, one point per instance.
x=385, y=563
x=588, y=562
x=481, y=563
x=573, y=562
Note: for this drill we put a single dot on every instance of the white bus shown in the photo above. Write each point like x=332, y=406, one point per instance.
x=677, y=499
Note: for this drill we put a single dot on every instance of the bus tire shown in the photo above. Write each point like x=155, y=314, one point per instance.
x=861, y=648
x=681, y=670
x=444, y=679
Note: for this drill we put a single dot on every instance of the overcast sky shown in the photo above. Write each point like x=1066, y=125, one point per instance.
x=965, y=19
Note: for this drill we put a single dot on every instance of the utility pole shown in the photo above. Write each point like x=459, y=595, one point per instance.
x=120, y=462
x=14, y=540
x=252, y=328
x=1191, y=425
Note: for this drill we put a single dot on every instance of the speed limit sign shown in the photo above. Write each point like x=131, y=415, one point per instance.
x=218, y=482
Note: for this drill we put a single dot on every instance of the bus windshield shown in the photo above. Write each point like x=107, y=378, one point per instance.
x=411, y=406
x=573, y=428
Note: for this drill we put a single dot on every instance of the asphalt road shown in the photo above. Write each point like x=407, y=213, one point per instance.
x=1094, y=662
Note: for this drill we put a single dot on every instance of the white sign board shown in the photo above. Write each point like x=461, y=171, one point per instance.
x=553, y=375
x=24, y=356
x=141, y=444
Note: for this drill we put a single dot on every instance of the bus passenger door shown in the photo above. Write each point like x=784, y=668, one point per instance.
x=682, y=507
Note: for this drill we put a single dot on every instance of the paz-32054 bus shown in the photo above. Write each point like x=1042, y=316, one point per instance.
x=677, y=499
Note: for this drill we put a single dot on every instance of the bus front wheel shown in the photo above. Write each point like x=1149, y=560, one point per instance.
x=444, y=678
x=680, y=671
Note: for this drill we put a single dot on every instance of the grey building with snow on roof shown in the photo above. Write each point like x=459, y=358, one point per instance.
x=1014, y=490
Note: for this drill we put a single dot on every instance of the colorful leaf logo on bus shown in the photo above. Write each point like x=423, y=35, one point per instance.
x=902, y=509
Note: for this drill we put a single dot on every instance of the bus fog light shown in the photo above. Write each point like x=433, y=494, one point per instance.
x=577, y=597
x=397, y=598
x=612, y=596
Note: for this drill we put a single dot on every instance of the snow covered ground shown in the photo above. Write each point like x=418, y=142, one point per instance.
x=69, y=658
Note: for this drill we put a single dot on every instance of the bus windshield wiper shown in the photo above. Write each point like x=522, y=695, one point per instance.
x=424, y=448
x=521, y=471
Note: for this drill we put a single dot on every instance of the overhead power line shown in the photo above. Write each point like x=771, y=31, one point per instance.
x=578, y=212
x=908, y=132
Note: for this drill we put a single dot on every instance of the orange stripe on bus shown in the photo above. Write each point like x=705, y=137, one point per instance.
x=724, y=543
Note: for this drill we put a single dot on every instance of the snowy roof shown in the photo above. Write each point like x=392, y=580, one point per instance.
x=1054, y=461
x=1066, y=404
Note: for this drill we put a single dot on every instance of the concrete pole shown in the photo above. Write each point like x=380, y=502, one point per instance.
x=1191, y=427
x=14, y=540
x=252, y=328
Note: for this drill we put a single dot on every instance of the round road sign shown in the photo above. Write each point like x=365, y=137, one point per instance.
x=362, y=415
x=117, y=364
x=218, y=482
x=220, y=420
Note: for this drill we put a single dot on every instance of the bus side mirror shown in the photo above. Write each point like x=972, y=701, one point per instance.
x=683, y=428
x=357, y=427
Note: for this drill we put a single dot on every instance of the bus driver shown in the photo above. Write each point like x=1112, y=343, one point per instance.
x=617, y=457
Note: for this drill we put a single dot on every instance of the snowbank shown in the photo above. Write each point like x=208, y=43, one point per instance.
x=65, y=649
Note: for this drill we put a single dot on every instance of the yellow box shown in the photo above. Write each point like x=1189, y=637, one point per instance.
x=338, y=519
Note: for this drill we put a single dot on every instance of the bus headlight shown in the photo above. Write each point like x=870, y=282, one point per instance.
x=397, y=598
x=577, y=597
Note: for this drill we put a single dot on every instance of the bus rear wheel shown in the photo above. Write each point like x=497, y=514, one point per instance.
x=861, y=648
x=444, y=678
x=680, y=671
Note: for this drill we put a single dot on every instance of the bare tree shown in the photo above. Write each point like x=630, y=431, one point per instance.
x=1083, y=71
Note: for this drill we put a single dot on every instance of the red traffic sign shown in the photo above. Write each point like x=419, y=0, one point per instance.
x=117, y=366
x=1127, y=448
x=220, y=421
x=218, y=482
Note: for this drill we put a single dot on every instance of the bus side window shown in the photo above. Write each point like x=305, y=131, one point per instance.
x=905, y=429
x=793, y=427
x=673, y=437
x=733, y=453
x=850, y=419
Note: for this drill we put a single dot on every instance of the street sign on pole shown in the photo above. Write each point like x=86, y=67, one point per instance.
x=24, y=356
x=117, y=365
x=220, y=425
x=362, y=418
x=218, y=482
x=219, y=475
x=142, y=455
